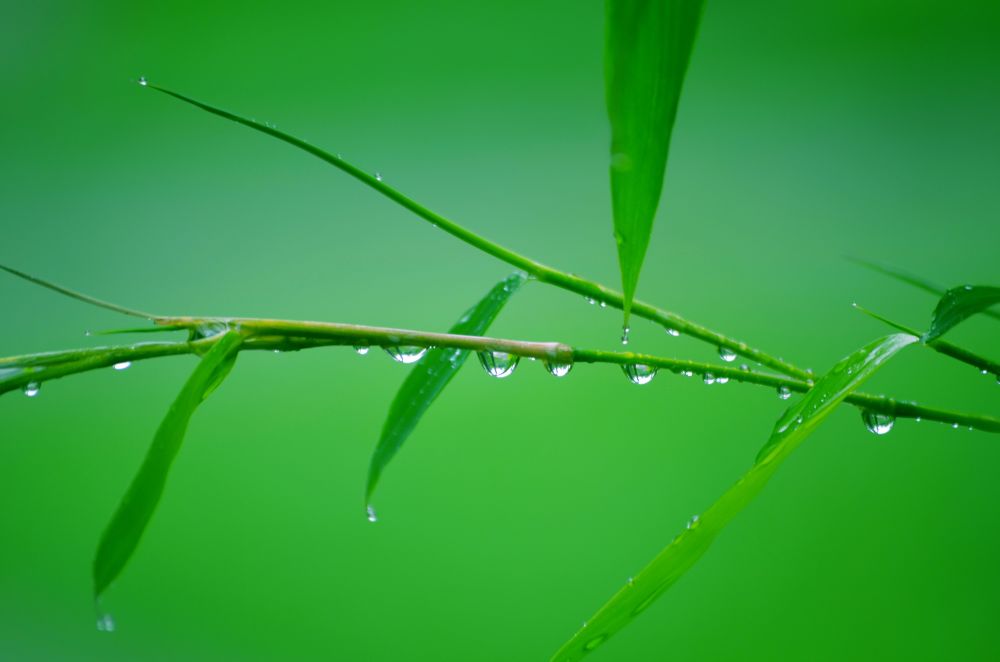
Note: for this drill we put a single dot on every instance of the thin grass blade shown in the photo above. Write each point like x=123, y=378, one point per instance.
x=123, y=533
x=431, y=374
x=73, y=294
x=648, y=45
x=911, y=279
x=687, y=548
x=958, y=304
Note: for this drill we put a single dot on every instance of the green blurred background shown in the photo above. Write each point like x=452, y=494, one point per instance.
x=807, y=132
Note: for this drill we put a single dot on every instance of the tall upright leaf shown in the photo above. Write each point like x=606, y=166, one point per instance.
x=431, y=374
x=958, y=304
x=123, y=533
x=791, y=429
x=647, y=47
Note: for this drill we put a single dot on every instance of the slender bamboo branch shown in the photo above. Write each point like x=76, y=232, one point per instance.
x=286, y=335
x=542, y=272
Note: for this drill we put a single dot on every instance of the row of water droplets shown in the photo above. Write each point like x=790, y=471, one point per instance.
x=32, y=389
x=496, y=364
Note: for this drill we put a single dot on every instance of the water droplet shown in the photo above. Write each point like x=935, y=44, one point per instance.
x=378, y=176
x=498, y=364
x=744, y=367
x=672, y=332
x=918, y=419
x=604, y=304
x=362, y=349
x=591, y=300
x=585, y=624
x=406, y=353
x=708, y=378
x=984, y=372
x=687, y=373
x=968, y=287
x=370, y=511
x=877, y=423
x=31, y=389
x=784, y=392
x=558, y=369
x=143, y=81
x=727, y=354
x=722, y=380
x=625, y=331
x=693, y=522
x=638, y=373
x=631, y=581
x=124, y=365
x=105, y=623
x=954, y=426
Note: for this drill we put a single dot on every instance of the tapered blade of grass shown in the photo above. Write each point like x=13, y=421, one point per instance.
x=429, y=376
x=911, y=279
x=680, y=555
x=73, y=294
x=958, y=304
x=123, y=533
x=647, y=47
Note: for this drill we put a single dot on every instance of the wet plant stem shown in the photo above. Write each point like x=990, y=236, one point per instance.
x=286, y=335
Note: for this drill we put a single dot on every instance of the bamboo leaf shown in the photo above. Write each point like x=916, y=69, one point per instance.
x=959, y=303
x=911, y=279
x=431, y=374
x=647, y=47
x=685, y=550
x=123, y=533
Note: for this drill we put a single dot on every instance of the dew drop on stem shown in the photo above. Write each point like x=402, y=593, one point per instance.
x=361, y=349
x=638, y=373
x=498, y=364
x=784, y=392
x=124, y=365
x=877, y=423
x=727, y=354
x=722, y=380
x=558, y=369
x=672, y=331
x=378, y=176
x=406, y=353
x=31, y=389
x=708, y=378
x=142, y=81
x=370, y=512
x=625, y=332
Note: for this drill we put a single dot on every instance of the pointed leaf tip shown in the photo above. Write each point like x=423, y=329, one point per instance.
x=648, y=45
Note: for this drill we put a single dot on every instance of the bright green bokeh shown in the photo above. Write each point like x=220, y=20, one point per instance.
x=808, y=131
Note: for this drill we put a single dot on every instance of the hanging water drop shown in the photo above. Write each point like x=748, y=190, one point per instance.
x=708, y=378
x=591, y=300
x=727, y=354
x=877, y=423
x=143, y=81
x=631, y=581
x=625, y=331
x=784, y=392
x=722, y=380
x=693, y=522
x=498, y=364
x=604, y=304
x=954, y=426
x=370, y=512
x=672, y=332
x=406, y=353
x=638, y=373
x=105, y=623
x=744, y=367
x=687, y=373
x=378, y=176
x=362, y=349
x=558, y=369
x=124, y=365
x=31, y=389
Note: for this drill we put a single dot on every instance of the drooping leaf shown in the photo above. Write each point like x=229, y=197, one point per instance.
x=647, y=47
x=959, y=303
x=429, y=376
x=680, y=555
x=123, y=533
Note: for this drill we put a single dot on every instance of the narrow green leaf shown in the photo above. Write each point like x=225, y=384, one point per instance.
x=76, y=295
x=647, y=47
x=429, y=376
x=959, y=303
x=911, y=279
x=685, y=550
x=123, y=533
